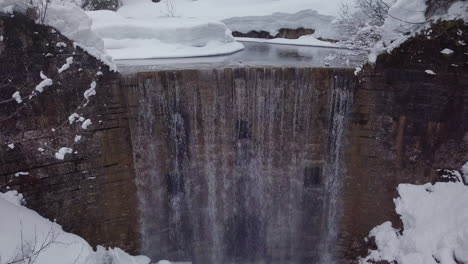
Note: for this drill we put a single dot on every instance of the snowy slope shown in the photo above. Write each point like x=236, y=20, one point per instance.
x=223, y=9
x=435, y=219
x=25, y=235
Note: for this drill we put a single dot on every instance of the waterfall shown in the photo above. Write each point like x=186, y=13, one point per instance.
x=233, y=165
x=340, y=101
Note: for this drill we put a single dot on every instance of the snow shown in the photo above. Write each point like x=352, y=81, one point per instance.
x=447, y=51
x=458, y=10
x=91, y=91
x=77, y=138
x=464, y=171
x=72, y=118
x=224, y=9
x=430, y=72
x=308, y=40
x=9, y=6
x=11, y=145
x=60, y=155
x=17, y=97
x=134, y=36
x=435, y=226
x=24, y=233
x=71, y=21
x=61, y=45
x=42, y=75
x=66, y=66
x=310, y=19
x=86, y=123
x=12, y=197
x=405, y=18
x=44, y=83
x=75, y=24
x=357, y=70
x=21, y=173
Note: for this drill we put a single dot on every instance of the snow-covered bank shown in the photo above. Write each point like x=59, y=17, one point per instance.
x=406, y=18
x=27, y=237
x=435, y=219
x=131, y=33
x=321, y=24
x=224, y=9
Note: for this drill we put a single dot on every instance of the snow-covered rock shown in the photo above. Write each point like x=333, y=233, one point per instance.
x=60, y=155
x=435, y=226
x=73, y=22
x=405, y=18
x=430, y=72
x=446, y=51
x=25, y=235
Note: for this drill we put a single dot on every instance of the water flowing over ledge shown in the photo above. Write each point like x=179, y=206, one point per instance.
x=240, y=165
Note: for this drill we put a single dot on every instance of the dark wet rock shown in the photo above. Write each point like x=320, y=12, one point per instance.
x=287, y=33
x=90, y=192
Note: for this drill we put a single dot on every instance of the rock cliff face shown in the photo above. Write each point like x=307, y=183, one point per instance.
x=405, y=125
x=91, y=192
x=229, y=165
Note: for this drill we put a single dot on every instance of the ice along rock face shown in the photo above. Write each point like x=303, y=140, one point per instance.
x=239, y=165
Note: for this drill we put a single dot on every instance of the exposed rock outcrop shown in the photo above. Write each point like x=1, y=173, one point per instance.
x=406, y=125
x=287, y=33
x=91, y=191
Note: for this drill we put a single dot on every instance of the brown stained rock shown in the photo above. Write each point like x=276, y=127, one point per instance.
x=405, y=126
x=90, y=193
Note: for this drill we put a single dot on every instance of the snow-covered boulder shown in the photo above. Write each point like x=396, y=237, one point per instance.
x=435, y=226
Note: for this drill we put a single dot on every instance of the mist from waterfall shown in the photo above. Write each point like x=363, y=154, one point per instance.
x=240, y=165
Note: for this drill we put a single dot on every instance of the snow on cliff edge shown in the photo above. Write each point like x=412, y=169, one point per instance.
x=408, y=17
x=71, y=21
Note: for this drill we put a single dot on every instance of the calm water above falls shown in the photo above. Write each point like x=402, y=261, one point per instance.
x=254, y=55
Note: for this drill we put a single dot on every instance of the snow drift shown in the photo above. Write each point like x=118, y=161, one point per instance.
x=27, y=237
x=136, y=32
x=71, y=21
x=435, y=220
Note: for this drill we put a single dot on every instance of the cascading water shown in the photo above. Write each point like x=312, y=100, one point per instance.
x=340, y=101
x=233, y=165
